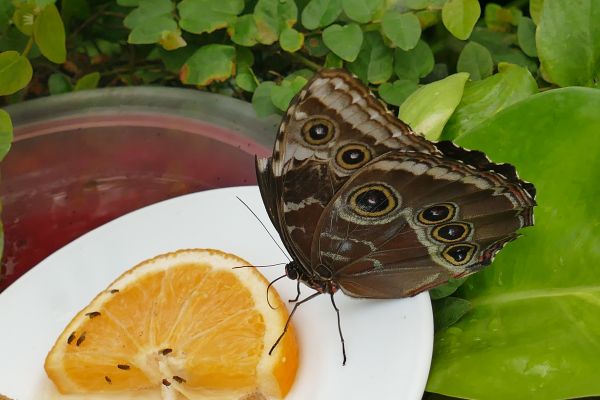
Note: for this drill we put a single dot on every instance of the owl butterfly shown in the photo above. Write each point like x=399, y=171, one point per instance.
x=366, y=206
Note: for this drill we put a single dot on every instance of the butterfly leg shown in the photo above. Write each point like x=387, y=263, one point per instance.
x=285, y=328
x=337, y=311
x=297, y=293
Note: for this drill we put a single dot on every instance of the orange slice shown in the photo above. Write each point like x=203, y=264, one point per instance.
x=184, y=325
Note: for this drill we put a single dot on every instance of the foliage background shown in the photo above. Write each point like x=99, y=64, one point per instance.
x=453, y=69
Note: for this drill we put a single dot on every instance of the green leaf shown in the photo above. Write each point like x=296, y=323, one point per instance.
x=7, y=9
x=24, y=18
x=246, y=80
x=315, y=46
x=460, y=16
x=174, y=60
x=415, y=63
x=403, y=30
x=152, y=30
x=375, y=61
x=59, y=83
x=501, y=19
x=526, y=36
x=397, y=92
x=15, y=72
x=49, y=35
x=128, y=3
x=503, y=47
x=428, y=109
x=244, y=57
x=483, y=99
x=319, y=13
x=281, y=95
x=210, y=63
x=172, y=39
x=361, y=11
x=333, y=61
x=532, y=332
x=272, y=16
x=446, y=289
x=535, y=10
x=568, y=42
x=417, y=4
x=88, y=81
x=476, y=60
x=291, y=40
x=344, y=41
x=200, y=16
x=448, y=311
x=261, y=100
x=243, y=31
x=6, y=134
x=147, y=11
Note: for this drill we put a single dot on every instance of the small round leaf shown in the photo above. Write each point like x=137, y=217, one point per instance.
x=49, y=34
x=87, y=82
x=243, y=31
x=15, y=72
x=396, y=93
x=460, y=16
x=526, y=36
x=476, y=60
x=404, y=30
x=415, y=63
x=291, y=40
x=261, y=100
x=210, y=63
x=344, y=41
x=361, y=10
x=6, y=133
x=59, y=83
x=319, y=13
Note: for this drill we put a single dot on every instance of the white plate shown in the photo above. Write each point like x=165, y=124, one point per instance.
x=389, y=342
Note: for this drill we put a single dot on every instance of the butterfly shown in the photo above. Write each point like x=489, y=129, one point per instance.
x=367, y=206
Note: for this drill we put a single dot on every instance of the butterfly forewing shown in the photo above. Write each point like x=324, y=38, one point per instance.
x=332, y=128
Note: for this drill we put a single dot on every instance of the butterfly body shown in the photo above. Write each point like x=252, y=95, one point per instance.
x=366, y=206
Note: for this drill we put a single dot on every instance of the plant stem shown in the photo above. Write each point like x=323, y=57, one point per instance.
x=28, y=47
x=310, y=64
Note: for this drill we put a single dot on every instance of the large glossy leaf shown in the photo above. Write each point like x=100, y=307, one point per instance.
x=568, y=42
x=482, y=99
x=533, y=330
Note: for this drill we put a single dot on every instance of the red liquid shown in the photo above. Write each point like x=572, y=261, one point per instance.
x=59, y=182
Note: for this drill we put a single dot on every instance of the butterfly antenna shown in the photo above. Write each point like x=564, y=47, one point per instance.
x=287, y=323
x=258, y=266
x=263, y=225
x=337, y=311
x=269, y=287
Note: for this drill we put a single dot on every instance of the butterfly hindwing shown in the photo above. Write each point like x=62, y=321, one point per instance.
x=409, y=221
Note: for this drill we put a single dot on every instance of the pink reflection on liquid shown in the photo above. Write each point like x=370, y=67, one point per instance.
x=62, y=179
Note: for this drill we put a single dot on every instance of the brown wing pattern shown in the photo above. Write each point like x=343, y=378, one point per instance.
x=407, y=222
x=332, y=128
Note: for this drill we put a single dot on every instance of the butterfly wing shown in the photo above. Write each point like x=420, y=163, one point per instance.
x=409, y=221
x=333, y=127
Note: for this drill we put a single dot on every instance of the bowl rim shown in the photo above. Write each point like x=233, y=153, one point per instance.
x=105, y=103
